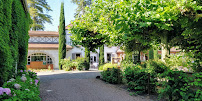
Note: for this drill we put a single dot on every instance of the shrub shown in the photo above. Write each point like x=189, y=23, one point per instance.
x=113, y=76
x=157, y=66
x=107, y=65
x=24, y=87
x=140, y=80
x=80, y=63
x=182, y=60
x=67, y=64
x=125, y=64
x=176, y=86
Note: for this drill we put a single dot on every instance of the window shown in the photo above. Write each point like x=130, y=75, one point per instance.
x=75, y=55
x=91, y=59
x=95, y=58
x=39, y=57
x=78, y=55
x=49, y=60
x=28, y=60
x=109, y=55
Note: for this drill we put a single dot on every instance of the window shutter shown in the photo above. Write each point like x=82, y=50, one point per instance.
x=73, y=56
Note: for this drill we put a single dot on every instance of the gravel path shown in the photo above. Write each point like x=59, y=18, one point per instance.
x=80, y=86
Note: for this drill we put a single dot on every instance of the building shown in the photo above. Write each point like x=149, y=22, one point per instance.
x=43, y=51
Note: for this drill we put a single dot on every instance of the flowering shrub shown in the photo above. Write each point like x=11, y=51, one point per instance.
x=68, y=64
x=23, y=87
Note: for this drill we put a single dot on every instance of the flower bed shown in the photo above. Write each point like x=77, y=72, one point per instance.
x=24, y=86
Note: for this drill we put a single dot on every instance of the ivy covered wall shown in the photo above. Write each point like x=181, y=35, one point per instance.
x=14, y=26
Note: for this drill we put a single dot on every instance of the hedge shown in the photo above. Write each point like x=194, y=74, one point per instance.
x=14, y=26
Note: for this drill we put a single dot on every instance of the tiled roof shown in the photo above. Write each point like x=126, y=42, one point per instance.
x=67, y=27
x=46, y=46
x=43, y=33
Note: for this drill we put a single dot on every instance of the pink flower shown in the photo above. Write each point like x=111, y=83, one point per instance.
x=30, y=82
x=17, y=86
x=36, y=81
x=21, y=70
x=25, y=70
x=1, y=91
x=23, y=78
x=29, y=70
x=7, y=91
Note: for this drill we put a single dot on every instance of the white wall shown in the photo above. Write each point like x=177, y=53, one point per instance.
x=75, y=50
x=52, y=53
x=111, y=50
x=68, y=41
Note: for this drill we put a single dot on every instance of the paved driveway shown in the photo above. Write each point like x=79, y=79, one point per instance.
x=80, y=86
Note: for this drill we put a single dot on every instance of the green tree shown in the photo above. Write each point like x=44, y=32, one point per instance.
x=62, y=40
x=36, y=10
x=101, y=55
x=132, y=19
x=81, y=6
x=14, y=26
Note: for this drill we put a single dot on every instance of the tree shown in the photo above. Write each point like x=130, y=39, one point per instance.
x=126, y=20
x=36, y=10
x=62, y=40
x=84, y=35
x=81, y=6
x=101, y=55
x=14, y=26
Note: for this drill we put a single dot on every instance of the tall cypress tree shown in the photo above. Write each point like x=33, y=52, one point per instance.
x=62, y=40
x=87, y=57
x=101, y=55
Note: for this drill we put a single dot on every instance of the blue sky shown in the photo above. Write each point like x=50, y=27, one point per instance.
x=69, y=9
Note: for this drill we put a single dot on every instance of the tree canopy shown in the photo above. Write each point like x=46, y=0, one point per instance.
x=37, y=10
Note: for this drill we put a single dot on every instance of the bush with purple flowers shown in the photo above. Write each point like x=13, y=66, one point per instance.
x=23, y=87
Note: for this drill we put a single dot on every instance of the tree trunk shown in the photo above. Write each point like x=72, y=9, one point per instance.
x=164, y=47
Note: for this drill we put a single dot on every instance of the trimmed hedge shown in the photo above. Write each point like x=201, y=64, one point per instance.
x=14, y=26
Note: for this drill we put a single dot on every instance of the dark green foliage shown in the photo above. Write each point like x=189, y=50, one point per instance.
x=87, y=57
x=14, y=26
x=23, y=21
x=112, y=75
x=140, y=80
x=151, y=54
x=179, y=86
x=62, y=40
x=101, y=56
x=5, y=53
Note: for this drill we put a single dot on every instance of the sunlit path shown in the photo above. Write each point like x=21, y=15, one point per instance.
x=80, y=86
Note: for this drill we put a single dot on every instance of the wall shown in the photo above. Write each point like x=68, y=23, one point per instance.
x=68, y=41
x=75, y=50
x=112, y=50
x=53, y=53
